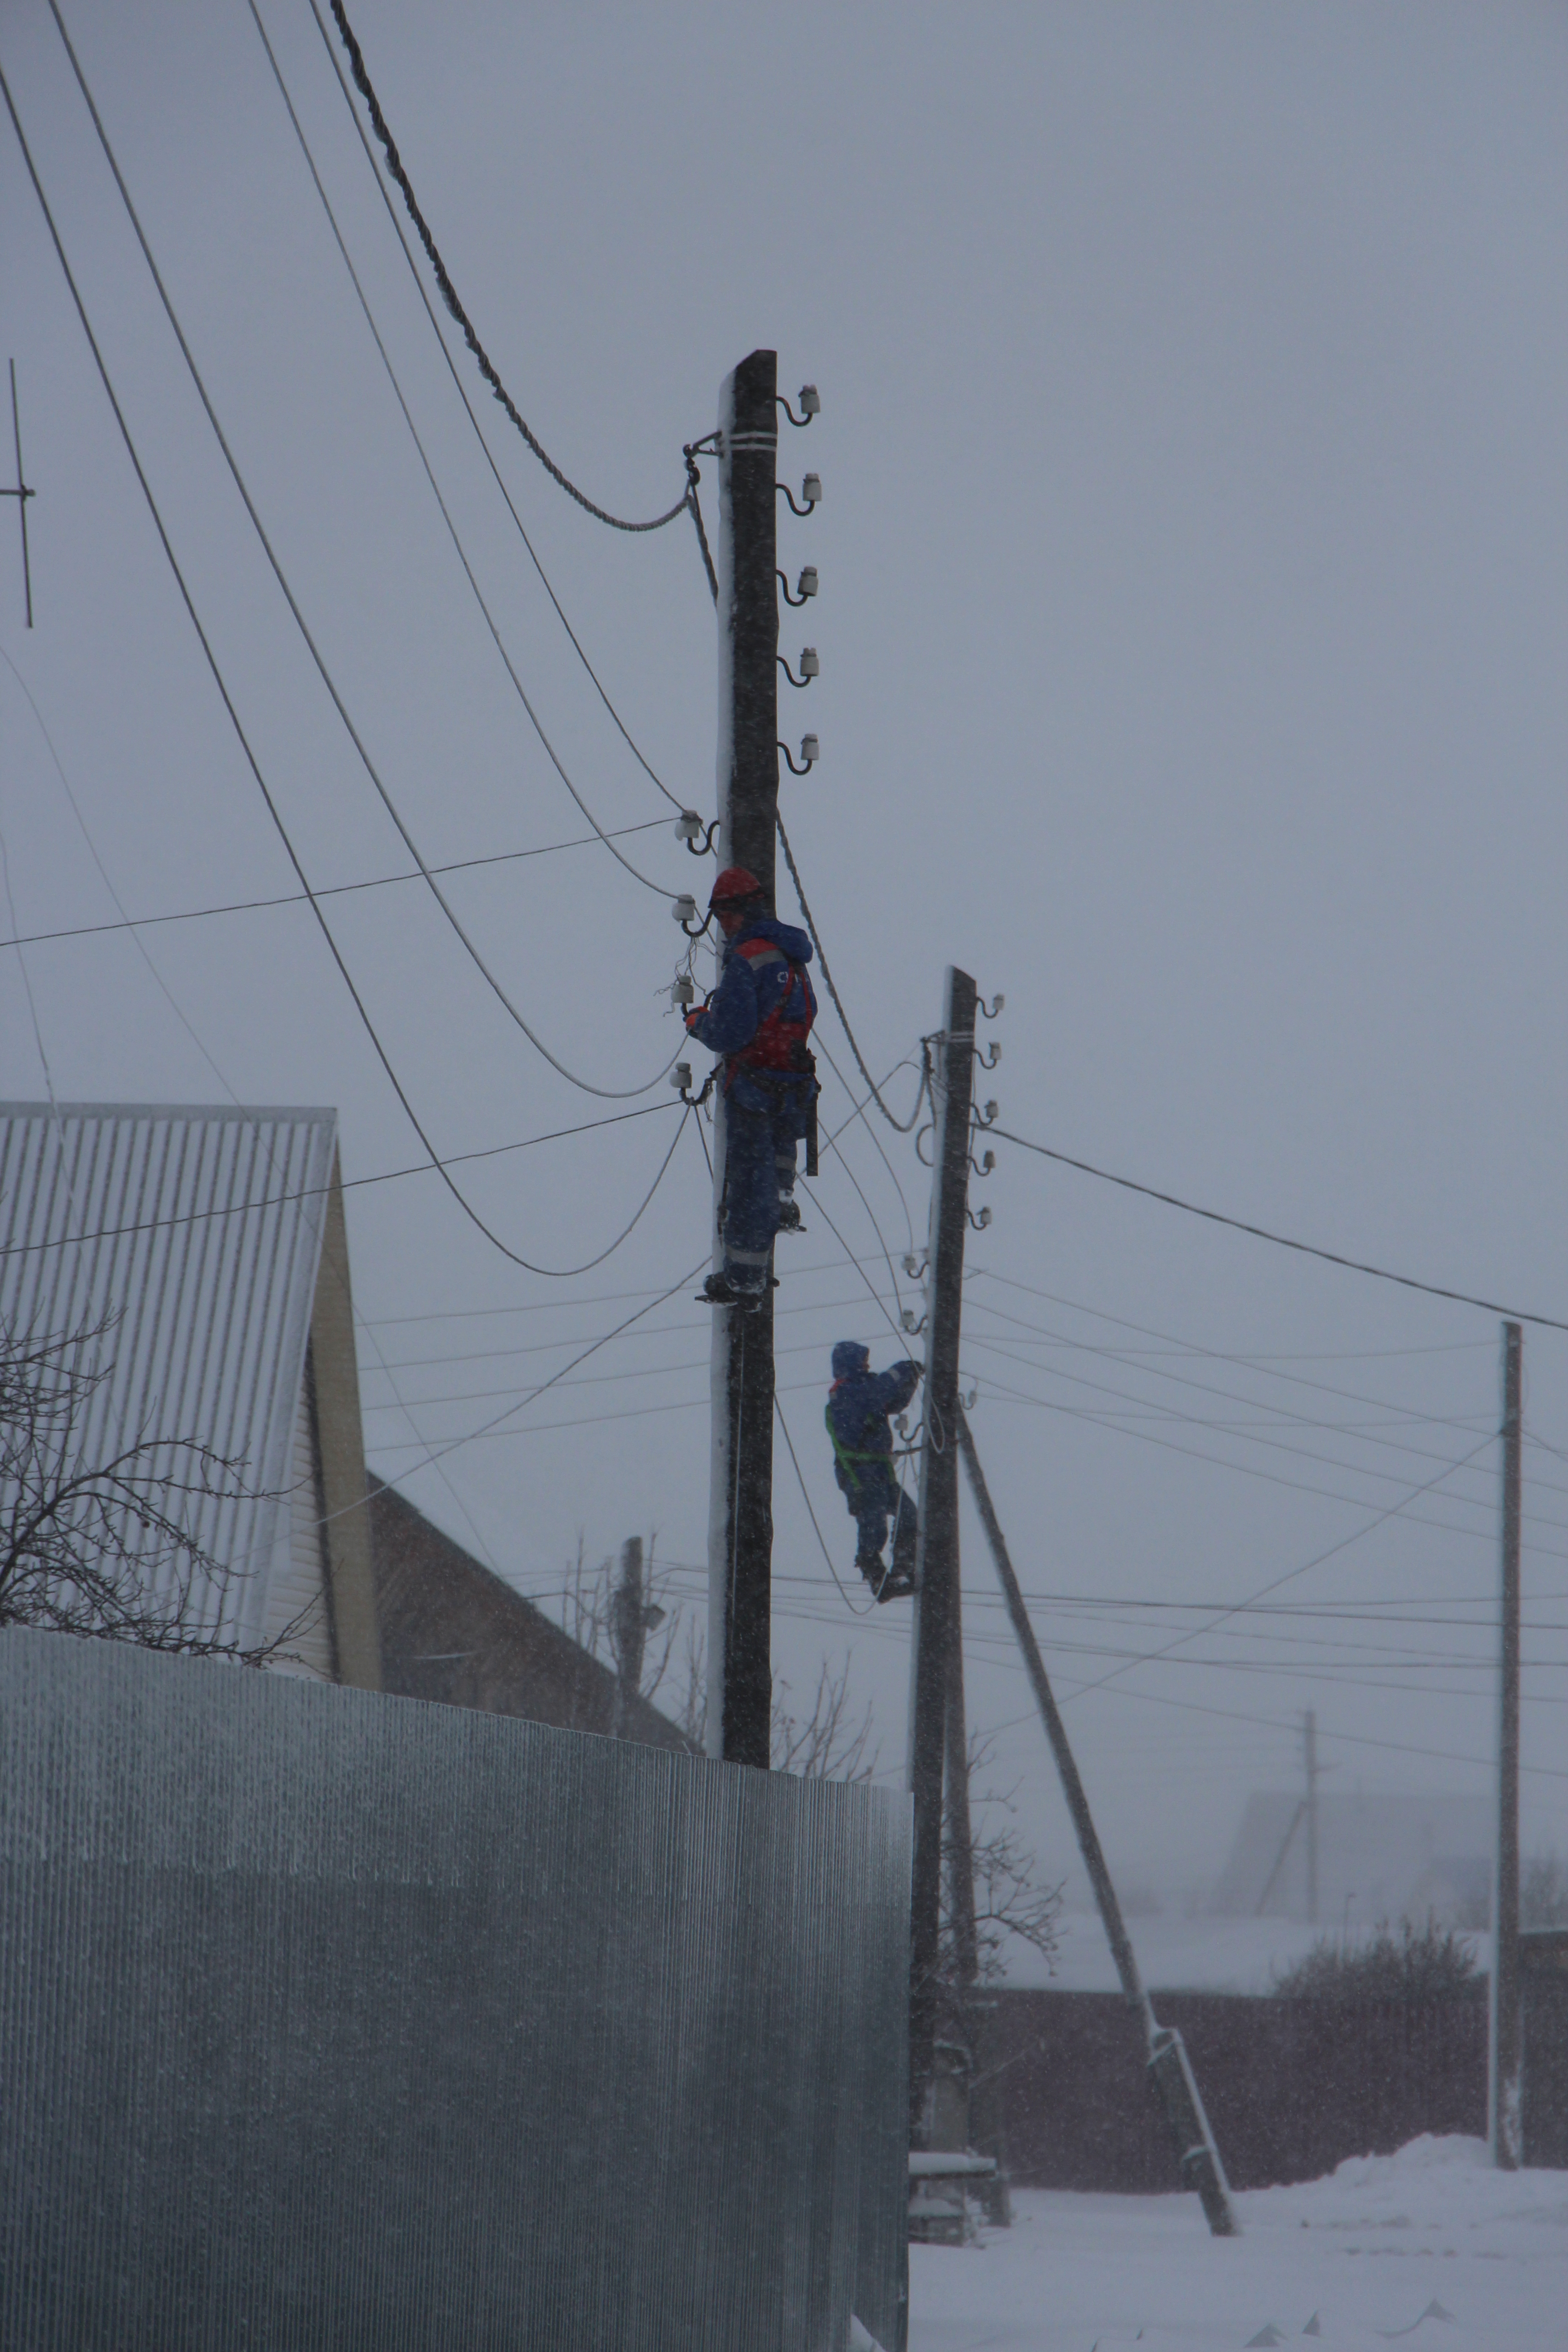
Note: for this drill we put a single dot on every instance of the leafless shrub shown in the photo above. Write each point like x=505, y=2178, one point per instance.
x=830, y=1742
x=1429, y=1963
x=1543, y=1896
x=1011, y=1897
x=104, y=1547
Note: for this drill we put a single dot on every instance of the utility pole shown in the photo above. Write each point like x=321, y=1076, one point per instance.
x=936, y=1546
x=1169, y=2064
x=740, y=1504
x=633, y=1618
x=1504, y=2124
x=1310, y=1740
x=960, y=1836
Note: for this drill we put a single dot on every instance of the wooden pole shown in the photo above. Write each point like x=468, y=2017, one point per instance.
x=1196, y=2153
x=739, y=1511
x=1504, y=2122
x=936, y=1544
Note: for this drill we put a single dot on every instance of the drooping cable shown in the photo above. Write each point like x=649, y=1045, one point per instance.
x=903, y=1125
x=434, y=486
x=365, y=1335
x=233, y=715
x=297, y=897
x=618, y=1093
x=461, y=390
x=1281, y=1241
x=449, y=294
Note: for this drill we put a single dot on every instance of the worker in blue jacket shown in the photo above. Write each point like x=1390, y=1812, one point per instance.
x=859, y=1404
x=758, y=1018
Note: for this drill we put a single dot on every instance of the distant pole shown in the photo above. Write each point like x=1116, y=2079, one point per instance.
x=628, y=1632
x=936, y=1545
x=1197, y=2152
x=1309, y=1733
x=1504, y=2129
x=740, y=1482
x=21, y=494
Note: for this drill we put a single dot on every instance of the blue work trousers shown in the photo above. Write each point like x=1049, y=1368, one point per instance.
x=872, y=1512
x=759, y=1173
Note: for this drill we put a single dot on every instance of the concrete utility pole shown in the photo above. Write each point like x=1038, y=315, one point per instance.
x=1310, y=1741
x=1169, y=2064
x=936, y=1548
x=1504, y=2121
x=740, y=1504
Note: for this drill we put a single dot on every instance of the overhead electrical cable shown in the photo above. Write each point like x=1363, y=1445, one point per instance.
x=257, y=1127
x=298, y=897
x=1154, y=1656
x=461, y=389
x=233, y=718
x=820, y=1046
x=449, y=296
x=1262, y=1365
x=495, y=1427
x=1283, y=1413
x=999, y=1392
x=432, y=1167
x=903, y=1125
x=469, y=572
x=613, y=1094
x=1282, y=1240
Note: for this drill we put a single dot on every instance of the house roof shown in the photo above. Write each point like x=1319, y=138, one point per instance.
x=196, y=1234
x=452, y=1630
x=1385, y=1856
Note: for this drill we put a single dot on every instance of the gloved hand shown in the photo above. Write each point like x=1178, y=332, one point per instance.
x=693, y=1015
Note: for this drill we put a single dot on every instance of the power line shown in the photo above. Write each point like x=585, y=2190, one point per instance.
x=301, y=897
x=469, y=572
x=233, y=715
x=449, y=294
x=606, y=1093
x=257, y=1129
x=903, y=1125
x=999, y=1392
x=1281, y=1241
x=461, y=391
x=228, y=701
x=349, y=1185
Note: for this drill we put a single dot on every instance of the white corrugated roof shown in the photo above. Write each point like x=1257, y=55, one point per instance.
x=199, y=1230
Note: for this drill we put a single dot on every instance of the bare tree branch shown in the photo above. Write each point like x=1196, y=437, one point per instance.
x=106, y=1549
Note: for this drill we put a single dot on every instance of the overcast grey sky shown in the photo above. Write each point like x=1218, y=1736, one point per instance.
x=1191, y=627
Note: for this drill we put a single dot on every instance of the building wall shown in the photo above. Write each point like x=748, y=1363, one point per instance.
x=451, y=1630
x=296, y=1601
x=330, y=2017
x=1292, y=2088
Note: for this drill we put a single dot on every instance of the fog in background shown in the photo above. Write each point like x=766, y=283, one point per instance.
x=1190, y=628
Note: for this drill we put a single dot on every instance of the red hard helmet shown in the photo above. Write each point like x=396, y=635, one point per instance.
x=733, y=887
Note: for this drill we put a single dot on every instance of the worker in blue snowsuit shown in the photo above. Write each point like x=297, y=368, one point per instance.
x=758, y=1018
x=859, y=1404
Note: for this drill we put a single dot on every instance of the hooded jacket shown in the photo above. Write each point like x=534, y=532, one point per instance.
x=756, y=987
x=858, y=1405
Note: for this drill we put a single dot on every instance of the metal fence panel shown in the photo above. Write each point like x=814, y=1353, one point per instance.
x=334, y=2019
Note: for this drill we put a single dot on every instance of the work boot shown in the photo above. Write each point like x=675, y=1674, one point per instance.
x=720, y=1291
x=789, y=1216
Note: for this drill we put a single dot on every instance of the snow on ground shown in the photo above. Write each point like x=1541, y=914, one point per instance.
x=1431, y=2249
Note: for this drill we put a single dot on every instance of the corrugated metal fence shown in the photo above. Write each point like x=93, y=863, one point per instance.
x=332, y=2019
